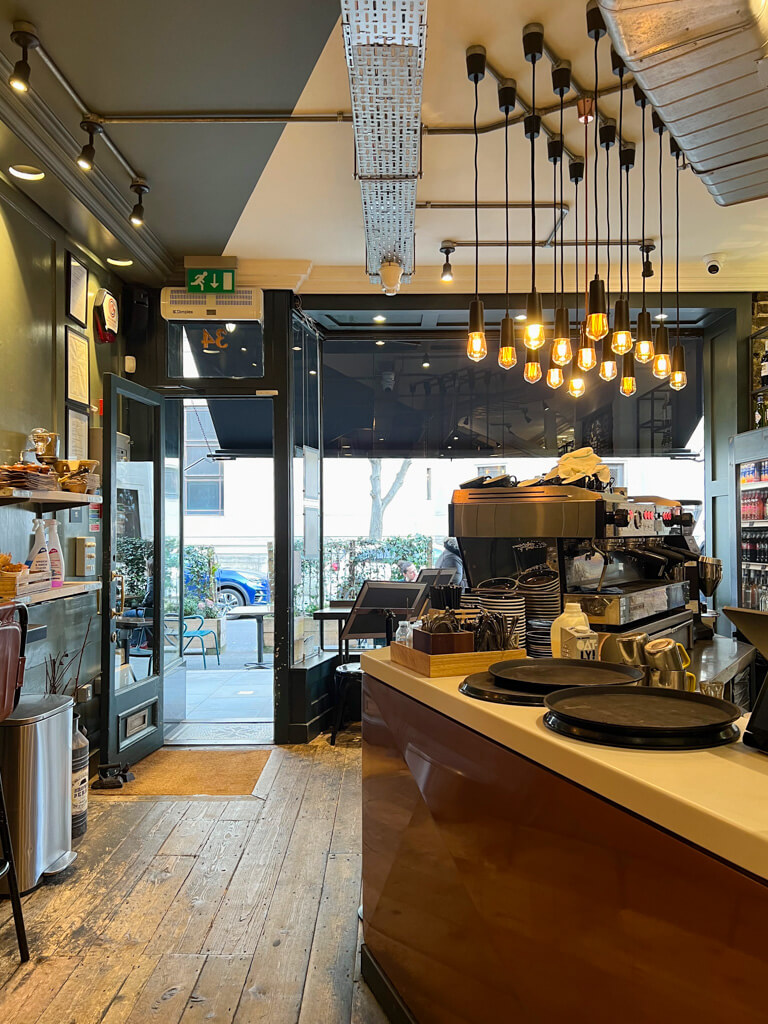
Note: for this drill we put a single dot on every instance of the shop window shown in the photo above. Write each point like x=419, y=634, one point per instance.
x=203, y=477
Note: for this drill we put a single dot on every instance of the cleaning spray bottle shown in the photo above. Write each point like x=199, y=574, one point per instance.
x=54, y=551
x=38, y=560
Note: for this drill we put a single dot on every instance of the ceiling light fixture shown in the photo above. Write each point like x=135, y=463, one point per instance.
x=477, y=346
x=555, y=375
x=532, y=371
x=520, y=317
x=621, y=339
x=644, y=348
x=379, y=318
x=140, y=187
x=230, y=328
x=628, y=384
x=561, y=340
x=380, y=343
x=24, y=35
x=390, y=273
x=113, y=261
x=507, y=352
x=577, y=385
x=533, y=47
x=597, y=310
x=678, y=378
x=447, y=272
x=607, y=134
x=87, y=157
x=27, y=172
x=662, y=364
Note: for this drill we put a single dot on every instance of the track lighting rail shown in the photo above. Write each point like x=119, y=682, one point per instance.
x=515, y=243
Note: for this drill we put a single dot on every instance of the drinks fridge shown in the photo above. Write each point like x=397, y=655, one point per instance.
x=752, y=529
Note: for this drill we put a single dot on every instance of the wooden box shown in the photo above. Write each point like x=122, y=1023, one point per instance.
x=449, y=664
x=443, y=643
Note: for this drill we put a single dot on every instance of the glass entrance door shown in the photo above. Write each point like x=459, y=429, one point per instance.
x=134, y=627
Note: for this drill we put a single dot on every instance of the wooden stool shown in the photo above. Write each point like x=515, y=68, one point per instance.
x=345, y=676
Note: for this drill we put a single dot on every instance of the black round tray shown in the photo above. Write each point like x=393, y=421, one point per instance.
x=543, y=675
x=648, y=717
x=482, y=686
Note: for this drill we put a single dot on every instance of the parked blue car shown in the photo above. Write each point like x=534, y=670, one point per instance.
x=236, y=589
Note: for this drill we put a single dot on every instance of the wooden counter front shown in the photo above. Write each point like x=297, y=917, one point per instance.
x=496, y=890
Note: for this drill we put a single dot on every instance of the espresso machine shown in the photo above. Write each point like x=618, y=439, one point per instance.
x=612, y=552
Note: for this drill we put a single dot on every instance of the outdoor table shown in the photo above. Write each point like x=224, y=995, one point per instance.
x=257, y=612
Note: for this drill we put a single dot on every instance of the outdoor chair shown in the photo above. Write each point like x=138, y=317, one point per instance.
x=191, y=634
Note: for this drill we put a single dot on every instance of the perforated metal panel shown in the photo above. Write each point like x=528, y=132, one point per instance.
x=384, y=42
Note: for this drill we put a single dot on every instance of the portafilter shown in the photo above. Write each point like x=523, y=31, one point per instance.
x=710, y=574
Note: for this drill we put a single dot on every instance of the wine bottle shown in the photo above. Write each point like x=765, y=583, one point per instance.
x=764, y=366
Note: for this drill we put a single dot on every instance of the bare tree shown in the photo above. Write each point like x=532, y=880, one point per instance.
x=378, y=503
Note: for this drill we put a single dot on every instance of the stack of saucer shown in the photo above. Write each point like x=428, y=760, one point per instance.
x=503, y=597
x=541, y=590
x=538, y=640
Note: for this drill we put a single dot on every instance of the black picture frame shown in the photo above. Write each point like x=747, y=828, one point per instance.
x=76, y=441
x=76, y=290
x=77, y=359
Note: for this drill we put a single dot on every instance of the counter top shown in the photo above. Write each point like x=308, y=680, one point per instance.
x=715, y=798
x=720, y=659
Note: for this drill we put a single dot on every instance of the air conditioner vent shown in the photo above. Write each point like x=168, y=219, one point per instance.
x=242, y=304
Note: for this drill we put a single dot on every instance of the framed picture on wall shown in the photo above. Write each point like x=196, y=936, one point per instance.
x=78, y=370
x=77, y=290
x=77, y=434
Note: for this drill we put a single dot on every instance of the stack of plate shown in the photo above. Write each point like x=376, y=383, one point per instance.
x=541, y=590
x=502, y=597
x=538, y=640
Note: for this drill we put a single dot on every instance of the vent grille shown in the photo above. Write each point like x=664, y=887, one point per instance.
x=385, y=42
x=238, y=298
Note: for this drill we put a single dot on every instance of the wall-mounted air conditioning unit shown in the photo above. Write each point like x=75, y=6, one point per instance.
x=241, y=304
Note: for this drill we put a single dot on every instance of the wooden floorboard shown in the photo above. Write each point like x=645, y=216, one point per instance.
x=186, y=911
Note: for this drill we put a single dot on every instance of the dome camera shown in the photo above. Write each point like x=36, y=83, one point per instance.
x=714, y=262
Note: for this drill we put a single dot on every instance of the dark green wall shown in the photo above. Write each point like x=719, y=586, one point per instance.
x=32, y=357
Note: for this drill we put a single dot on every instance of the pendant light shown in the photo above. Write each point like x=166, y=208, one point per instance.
x=621, y=339
x=555, y=153
x=576, y=385
x=628, y=385
x=644, y=346
x=507, y=354
x=678, y=377
x=477, y=346
x=608, y=368
x=533, y=47
x=597, y=310
x=586, y=355
x=561, y=342
x=662, y=364
x=447, y=249
x=555, y=376
x=532, y=371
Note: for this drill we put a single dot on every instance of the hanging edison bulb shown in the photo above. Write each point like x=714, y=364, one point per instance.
x=608, y=367
x=576, y=383
x=532, y=372
x=534, y=322
x=597, y=315
x=555, y=376
x=561, y=345
x=477, y=346
x=678, y=377
x=507, y=353
x=628, y=385
x=644, y=343
x=621, y=341
x=662, y=364
x=586, y=358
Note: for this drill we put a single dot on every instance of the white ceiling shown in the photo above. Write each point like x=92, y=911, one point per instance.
x=306, y=206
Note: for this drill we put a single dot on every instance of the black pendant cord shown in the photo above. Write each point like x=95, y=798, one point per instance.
x=533, y=180
x=597, y=149
x=578, y=294
x=677, y=241
x=627, y=236
x=506, y=205
x=621, y=186
x=661, y=229
x=562, y=219
x=477, y=225
x=607, y=226
x=642, y=211
x=554, y=234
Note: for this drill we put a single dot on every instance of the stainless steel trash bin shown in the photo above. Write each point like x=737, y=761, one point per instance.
x=36, y=766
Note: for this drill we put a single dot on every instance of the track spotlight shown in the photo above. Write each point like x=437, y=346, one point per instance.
x=447, y=272
x=140, y=187
x=24, y=35
x=87, y=157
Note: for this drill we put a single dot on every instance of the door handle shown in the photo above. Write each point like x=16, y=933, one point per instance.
x=121, y=607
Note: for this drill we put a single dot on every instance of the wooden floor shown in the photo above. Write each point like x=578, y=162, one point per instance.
x=194, y=910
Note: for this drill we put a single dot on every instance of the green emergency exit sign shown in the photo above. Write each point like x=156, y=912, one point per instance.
x=210, y=280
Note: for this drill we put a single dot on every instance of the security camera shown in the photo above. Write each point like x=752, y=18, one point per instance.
x=713, y=262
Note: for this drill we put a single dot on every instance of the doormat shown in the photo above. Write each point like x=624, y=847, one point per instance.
x=198, y=772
